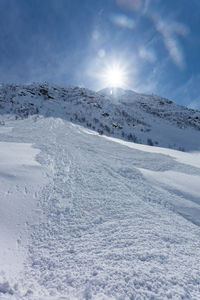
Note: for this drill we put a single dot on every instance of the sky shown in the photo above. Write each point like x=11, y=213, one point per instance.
x=155, y=44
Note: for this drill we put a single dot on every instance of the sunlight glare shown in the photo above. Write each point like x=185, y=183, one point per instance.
x=114, y=76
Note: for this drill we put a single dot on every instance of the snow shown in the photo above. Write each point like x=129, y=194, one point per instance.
x=99, y=218
x=145, y=119
x=17, y=155
x=20, y=181
x=5, y=130
x=184, y=185
x=89, y=216
x=189, y=158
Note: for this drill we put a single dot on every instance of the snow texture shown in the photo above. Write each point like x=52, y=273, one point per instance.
x=99, y=218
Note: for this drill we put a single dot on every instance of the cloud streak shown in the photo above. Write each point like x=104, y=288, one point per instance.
x=169, y=31
x=122, y=21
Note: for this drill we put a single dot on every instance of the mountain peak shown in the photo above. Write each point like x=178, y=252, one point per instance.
x=141, y=118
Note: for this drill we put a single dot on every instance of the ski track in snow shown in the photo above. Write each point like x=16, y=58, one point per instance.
x=105, y=231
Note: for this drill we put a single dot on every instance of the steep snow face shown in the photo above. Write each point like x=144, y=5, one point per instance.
x=114, y=219
x=145, y=119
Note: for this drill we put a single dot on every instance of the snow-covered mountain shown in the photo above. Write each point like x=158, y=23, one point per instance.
x=145, y=119
x=85, y=215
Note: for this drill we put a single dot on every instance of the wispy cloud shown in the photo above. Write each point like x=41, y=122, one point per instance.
x=147, y=54
x=169, y=31
x=146, y=6
x=122, y=21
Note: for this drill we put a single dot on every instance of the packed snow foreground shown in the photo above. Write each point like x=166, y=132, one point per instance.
x=85, y=216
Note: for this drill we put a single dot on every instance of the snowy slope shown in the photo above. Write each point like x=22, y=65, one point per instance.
x=108, y=219
x=145, y=119
x=21, y=180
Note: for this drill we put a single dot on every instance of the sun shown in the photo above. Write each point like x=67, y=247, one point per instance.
x=114, y=76
x=113, y=72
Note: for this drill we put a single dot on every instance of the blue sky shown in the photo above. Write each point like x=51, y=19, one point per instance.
x=156, y=42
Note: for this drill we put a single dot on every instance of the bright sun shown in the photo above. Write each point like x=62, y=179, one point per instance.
x=114, y=77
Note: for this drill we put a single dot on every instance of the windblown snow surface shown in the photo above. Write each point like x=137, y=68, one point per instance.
x=83, y=216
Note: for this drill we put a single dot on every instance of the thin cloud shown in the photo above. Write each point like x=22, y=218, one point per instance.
x=169, y=31
x=146, y=6
x=122, y=21
x=147, y=54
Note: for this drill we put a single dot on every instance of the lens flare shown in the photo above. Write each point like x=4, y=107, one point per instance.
x=114, y=76
x=114, y=70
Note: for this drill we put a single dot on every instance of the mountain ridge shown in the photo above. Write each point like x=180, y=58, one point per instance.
x=141, y=118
